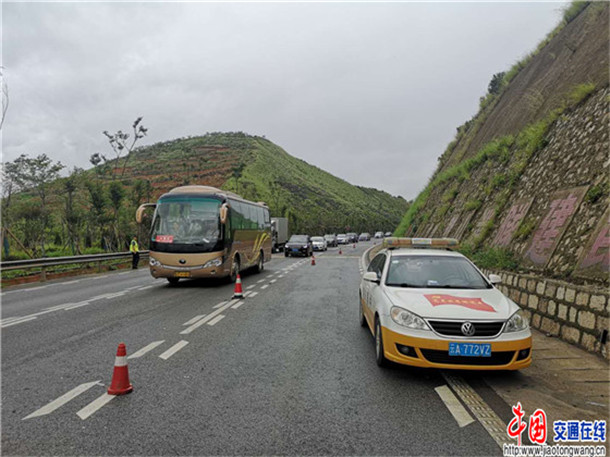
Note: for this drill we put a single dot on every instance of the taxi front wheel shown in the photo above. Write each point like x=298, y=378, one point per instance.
x=379, y=356
x=362, y=318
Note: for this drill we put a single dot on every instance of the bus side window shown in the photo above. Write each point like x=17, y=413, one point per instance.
x=267, y=219
x=260, y=218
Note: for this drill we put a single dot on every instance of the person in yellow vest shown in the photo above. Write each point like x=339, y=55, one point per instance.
x=135, y=253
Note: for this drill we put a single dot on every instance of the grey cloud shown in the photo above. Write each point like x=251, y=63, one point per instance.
x=370, y=92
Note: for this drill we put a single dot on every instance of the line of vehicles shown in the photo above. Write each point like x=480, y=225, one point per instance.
x=425, y=304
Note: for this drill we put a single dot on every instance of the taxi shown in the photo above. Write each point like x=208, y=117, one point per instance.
x=429, y=306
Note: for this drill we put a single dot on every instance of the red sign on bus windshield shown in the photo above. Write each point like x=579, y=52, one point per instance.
x=164, y=238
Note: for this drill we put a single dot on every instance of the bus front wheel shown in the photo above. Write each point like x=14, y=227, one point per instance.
x=234, y=270
x=260, y=266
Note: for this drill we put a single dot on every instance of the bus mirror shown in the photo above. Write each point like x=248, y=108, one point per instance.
x=141, y=209
x=224, y=211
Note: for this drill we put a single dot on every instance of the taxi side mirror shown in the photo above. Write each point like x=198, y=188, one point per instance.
x=495, y=279
x=371, y=276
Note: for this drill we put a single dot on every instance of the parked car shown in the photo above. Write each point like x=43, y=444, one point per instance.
x=331, y=240
x=319, y=243
x=378, y=234
x=342, y=238
x=352, y=237
x=364, y=237
x=430, y=307
x=387, y=234
x=298, y=245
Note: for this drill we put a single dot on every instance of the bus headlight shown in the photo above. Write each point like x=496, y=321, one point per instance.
x=213, y=263
x=154, y=262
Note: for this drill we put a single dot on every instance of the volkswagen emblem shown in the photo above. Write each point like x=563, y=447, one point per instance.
x=182, y=261
x=467, y=329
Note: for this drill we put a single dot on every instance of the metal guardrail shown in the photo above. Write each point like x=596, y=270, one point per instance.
x=46, y=262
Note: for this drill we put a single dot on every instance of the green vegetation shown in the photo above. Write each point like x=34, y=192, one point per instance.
x=595, y=193
x=497, y=258
x=94, y=210
x=517, y=151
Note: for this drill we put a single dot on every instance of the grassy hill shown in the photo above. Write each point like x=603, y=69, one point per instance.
x=98, y=213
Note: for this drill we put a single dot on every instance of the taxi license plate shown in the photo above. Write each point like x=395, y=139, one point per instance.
x=182, y=274
x=470, y=349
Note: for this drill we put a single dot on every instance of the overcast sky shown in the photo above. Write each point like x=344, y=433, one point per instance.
x=370, y=92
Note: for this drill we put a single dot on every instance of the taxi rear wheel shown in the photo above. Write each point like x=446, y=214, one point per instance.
x=379, y=357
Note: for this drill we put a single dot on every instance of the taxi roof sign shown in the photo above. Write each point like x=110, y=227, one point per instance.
x=441, y=243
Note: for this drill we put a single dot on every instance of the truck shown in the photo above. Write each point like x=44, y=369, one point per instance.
x=279, y=233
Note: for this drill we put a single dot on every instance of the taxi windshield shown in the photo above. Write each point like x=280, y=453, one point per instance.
x=434, y=272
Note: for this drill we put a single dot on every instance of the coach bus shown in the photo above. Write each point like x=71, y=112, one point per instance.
x=203, y=232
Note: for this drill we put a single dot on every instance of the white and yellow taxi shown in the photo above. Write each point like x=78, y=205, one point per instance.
x=429, y=306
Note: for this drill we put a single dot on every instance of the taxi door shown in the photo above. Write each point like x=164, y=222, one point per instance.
x=372, y=289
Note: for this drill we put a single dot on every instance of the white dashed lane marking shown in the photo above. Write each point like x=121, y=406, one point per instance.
x=254, y=294
x=260, y=280
x=196, y=318
x=265, y=286
x=139, y=353
x=96, y=404
x=272, y=281
x=251, y=287
x=220, y=304
x=175, y=348
x=59, y=402
x=207, y=318
x=454, y=406
x=216, y=320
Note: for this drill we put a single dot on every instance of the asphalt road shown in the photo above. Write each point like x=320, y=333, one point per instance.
x=288, y=372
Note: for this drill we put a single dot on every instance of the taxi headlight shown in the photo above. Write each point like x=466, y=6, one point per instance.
x=154, y=262
x=517, y=322
x=213, y=263
x=407, y=319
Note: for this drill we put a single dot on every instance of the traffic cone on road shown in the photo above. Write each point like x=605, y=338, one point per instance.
x=238, y=292
x=313, y=259
x=354, y=245
x=120, y=384
x=340, y=252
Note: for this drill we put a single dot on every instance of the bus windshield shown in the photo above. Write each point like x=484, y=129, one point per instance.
x=191, y=221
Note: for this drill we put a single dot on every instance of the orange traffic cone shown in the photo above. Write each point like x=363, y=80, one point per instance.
x=313, y=260
x=120, y=384
x=238, y=292
x=354, y=245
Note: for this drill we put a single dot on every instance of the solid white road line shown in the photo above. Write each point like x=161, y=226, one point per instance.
x=21, y=321
x=454, y=406
x=216, y=320
x=238, y=304
x=194, y=319
x=94, y=406
x=481, y=410
x=59, y=402
x=175, y=348
x=117, y=294
x=69, y=282
x=145, y=287
x=145, y=349
x=265, y=286
x=123, y=273
x=219, y=304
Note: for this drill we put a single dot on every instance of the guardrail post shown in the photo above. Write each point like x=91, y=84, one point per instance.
x=99, y=266
x=43, y=274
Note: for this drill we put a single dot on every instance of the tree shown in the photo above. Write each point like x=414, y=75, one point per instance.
x=496, y=83
x=237, y=173
x=116, y=193
x=119, y=142
x=72, y=217
x=36, y=174
x=97, y=218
